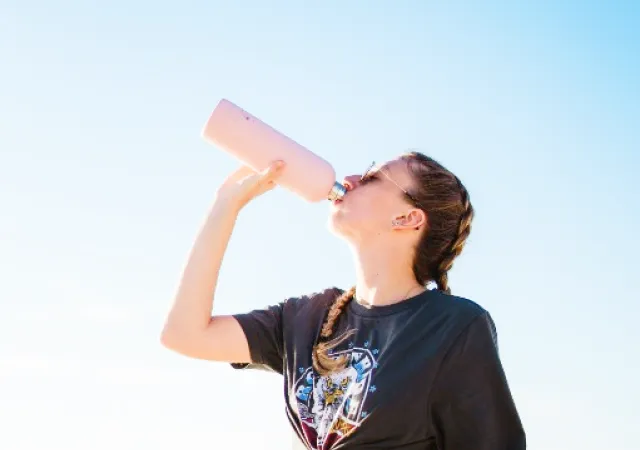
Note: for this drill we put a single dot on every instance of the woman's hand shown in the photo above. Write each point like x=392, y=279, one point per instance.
x=245, y=184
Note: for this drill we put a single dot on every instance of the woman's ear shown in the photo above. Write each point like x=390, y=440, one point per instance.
x=414, y=219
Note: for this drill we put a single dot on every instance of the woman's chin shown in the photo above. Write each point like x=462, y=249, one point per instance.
x=336, y=221
x=341, y=224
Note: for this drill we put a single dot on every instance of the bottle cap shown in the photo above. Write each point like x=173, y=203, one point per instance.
x=337, y=192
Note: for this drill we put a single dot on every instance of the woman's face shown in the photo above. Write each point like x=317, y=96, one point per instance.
x=375, y=203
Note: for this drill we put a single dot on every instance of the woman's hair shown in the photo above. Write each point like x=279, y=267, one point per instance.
x=442, y=196
x=444, y=199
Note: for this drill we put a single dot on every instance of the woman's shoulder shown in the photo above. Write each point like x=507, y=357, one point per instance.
x=460, y=303
x=308, y=311
x=314, y=301
x=457, y=308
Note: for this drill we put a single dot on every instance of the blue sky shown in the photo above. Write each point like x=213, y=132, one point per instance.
x=106, y=181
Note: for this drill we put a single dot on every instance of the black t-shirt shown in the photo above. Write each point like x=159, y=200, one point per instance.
x=424, y=373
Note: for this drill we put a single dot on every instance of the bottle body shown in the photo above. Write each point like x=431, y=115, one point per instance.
x=256, y=144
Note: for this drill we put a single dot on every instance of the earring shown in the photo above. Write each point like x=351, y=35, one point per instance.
x=395, y=222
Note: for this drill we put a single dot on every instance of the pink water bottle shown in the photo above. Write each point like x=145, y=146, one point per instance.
x=256, y=144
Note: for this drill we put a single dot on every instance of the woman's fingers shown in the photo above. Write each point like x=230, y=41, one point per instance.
x=267, y=178
x=272, y=172
x=242, y=172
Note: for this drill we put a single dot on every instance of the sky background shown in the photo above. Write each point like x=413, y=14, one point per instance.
x=105, y=182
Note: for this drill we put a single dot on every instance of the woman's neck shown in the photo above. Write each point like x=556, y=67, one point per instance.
x=383, y=275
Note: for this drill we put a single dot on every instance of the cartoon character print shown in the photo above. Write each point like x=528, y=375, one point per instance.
x=330, y=407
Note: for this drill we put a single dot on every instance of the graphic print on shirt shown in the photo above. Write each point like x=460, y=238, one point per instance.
x=330, y=407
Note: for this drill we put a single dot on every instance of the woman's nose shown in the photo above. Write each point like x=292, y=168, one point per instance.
x=351, y=182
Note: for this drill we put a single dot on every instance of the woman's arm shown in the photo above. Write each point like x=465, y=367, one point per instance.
x=190, y=328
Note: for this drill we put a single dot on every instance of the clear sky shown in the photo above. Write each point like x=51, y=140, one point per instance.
x=105, y=181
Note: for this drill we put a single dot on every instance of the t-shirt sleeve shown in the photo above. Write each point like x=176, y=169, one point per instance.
x=263, y=330
x=472, y=406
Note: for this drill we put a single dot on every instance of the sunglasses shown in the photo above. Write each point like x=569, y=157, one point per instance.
x=373, y=169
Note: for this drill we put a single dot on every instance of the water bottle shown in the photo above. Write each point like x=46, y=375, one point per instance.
x=256, y=144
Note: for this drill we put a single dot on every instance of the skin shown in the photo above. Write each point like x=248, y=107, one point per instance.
x=379, y=225
x=382, y=230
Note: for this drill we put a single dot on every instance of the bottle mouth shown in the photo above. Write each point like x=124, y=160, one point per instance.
x=337, y=192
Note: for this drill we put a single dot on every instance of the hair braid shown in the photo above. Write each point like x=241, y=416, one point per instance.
x=464, y=229
x=322, y=362
x=441, y=195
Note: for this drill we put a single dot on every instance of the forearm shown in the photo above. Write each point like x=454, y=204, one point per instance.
x=191, y=310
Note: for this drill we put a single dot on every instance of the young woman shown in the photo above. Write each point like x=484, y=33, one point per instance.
x=387, y=364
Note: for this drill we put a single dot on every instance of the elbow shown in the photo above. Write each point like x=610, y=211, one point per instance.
x=180, y=340
x=166, y=338
x=171, y=338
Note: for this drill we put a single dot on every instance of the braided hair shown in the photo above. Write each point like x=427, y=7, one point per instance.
x=449, y=215
x=446, y=201
x=323, y=363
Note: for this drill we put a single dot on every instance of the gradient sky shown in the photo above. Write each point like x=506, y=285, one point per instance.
x=105, y=181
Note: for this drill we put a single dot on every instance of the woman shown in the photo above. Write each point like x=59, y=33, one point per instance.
x=387, y=364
